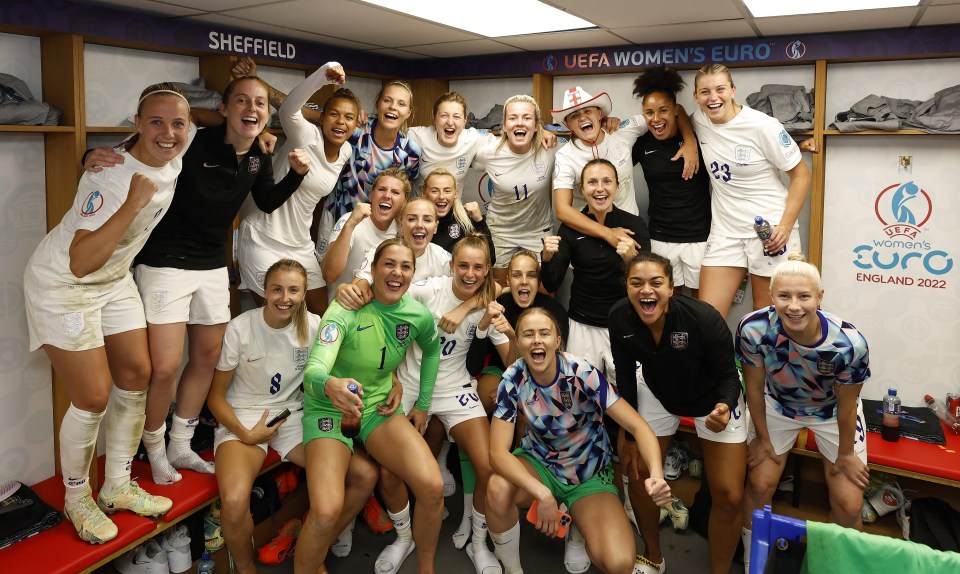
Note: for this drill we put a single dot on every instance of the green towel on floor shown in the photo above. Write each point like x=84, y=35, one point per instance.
x=832, y=548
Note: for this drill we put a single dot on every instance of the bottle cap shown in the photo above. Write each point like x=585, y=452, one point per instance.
x=353, y=388
x=927, y=398
x=892, y=392
x=758, y=219
x=205, y=555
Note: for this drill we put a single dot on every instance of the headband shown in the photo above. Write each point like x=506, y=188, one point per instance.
x=148, y=94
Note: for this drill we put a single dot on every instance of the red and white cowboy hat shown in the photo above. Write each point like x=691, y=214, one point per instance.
x=576, y=98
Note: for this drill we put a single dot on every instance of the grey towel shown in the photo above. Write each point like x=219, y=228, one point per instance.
x=939, y=114
x=791, y=105
x=17, y=106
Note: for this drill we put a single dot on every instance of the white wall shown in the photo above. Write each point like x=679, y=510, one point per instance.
x=115, y=77
x=26, y=412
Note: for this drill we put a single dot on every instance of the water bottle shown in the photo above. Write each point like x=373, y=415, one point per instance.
x=764, y=232
x=206, y=564
x=349, y=424
x=940, y=410
x=890, y=430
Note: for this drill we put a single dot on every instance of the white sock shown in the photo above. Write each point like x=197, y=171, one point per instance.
x=123, y=424
x=479, y=531
x=442, y=455
x=179, y=452
x=746, y=535
x=342, y=546
x=506, y=545
x=78, y=446
x=402, y=523
x=181, y=432
x=153, y=441
x=462, y=534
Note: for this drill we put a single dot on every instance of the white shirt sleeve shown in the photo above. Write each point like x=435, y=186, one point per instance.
x=295, y=126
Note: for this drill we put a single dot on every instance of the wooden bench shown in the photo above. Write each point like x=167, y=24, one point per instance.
x=924, y=461
x=60, y=550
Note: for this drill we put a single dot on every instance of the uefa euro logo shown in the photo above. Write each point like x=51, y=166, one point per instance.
x=550, y=63
x=903, y=209
x=796, y=50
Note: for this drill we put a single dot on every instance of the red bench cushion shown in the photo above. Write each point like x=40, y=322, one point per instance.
x=60, y=549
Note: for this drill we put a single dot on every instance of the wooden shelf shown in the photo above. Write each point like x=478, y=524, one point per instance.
x=883, y=133
x=37, y=129
x=111, y=129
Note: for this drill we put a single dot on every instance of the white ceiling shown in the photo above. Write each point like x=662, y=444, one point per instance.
x=359, y=26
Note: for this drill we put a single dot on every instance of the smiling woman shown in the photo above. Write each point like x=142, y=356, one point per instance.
x=379, y=145
x=83, y=309
x=519, y=212
x=363, y=348
x=684, y=347
x=565, y=455
x=804, y=368
x=597, y=276
x=366, y=226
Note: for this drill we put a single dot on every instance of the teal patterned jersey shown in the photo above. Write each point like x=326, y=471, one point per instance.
x=800, y=378
x=564, y=419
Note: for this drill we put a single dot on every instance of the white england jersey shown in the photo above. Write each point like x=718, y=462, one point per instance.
x=436, y=293
x=456, y=159
x=267, y=363
x=365, y=235
x=435, y=262
x=99, y=196
x=617, y=148
x=520, y=203
x=744, y=158
x=290, y=223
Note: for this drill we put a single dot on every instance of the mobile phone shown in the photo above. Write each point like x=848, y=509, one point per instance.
x=278, y=418
x=564, y=518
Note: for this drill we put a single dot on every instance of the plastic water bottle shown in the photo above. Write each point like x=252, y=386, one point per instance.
x=890, y=430
x=940, y=410
x=349, y=424
x=764, y=232
x=206, y=564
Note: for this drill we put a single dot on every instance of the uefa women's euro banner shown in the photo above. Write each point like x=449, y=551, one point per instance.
x=891, y=257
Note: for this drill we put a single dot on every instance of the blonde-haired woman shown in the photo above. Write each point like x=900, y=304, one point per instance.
x=519, y=213
x=456, y=219
x=803, y=368
x=746, y=153
x=259, y=376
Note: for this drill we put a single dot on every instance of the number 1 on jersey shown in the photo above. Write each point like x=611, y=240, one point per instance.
x=383, y=357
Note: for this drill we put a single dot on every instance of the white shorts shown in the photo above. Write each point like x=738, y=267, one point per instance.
x=506, y=248
x=81, y=323
x=256, y=252
x=593, y=344
x=452, y=411
x=665, y=423
x=747, y=253
x=685, y=259
x=784, y=430
x=184, y=295
x=288, y=437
